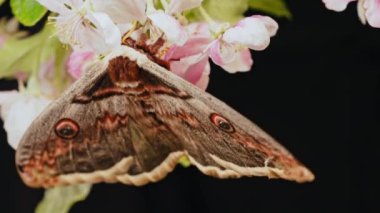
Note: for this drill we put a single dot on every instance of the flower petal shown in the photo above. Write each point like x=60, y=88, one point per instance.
x=77, y=61
x=178, y=6
x=55, y=6
x=6, y=98
x=103, y=37
x=122, y=11
x=373, y=12
x=242, y=63
x=269, y=23
x=337, y=5
x=199, y=40
x=195, y=69
x=192, y=47
x=18, y=113
x=250, y=32
x=202, y=83
x=222, y=53
x=172, y=29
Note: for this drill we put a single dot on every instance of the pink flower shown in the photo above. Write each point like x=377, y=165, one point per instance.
x=231, y=50
x=369, y=10
x=77, y=62
x=190, y=61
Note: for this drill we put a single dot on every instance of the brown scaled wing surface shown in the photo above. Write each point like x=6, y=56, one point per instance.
x=131, y=120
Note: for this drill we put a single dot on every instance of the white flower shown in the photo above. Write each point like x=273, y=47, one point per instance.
x=231, y=50
x=172, y=29
x=122, y=11
x=159, y=22
x=82, y=27
x=18, y=110
x=368, y=10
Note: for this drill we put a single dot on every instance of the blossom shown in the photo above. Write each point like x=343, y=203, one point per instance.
x=170, y=26
x=190, y=61
x=77, y=61
x=83, y=28
x=18, y=110
x=368, y=10
x=231, y=49
x=164, y=20
x=160, y=22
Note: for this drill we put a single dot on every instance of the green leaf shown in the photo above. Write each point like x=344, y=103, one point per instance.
x=61, y=199
x=273, y=7
x=24, y=54
x=28, y=56
x=27, y=12
x=1, y=2
x=221, y=10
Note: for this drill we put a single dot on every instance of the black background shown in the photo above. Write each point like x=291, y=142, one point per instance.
x=316, y=89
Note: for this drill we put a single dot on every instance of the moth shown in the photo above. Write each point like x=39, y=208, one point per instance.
x=131, y=120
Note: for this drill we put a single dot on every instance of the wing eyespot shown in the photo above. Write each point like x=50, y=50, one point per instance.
x=222, y=123
x=66, y=128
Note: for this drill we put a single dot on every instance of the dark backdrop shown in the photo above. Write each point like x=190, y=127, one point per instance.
x=316, y=89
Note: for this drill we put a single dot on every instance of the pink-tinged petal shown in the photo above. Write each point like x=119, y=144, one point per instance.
x=18, y=112
x=337, y=5
x=198, y=41
x=373, y=12
x=178, y=6
x=242, y=63
x=202, y=83
x=172, y=29
x=269, y=23
x=193, y=46
x=222, y=53
x=122, y=11
x=55, y=6
x=76, y=62
x=250, y=32
x=194, y=69
x=102, y=38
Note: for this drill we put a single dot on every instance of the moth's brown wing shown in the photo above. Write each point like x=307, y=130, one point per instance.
x=217, y=139
x=99, y=131
x=133, y=125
